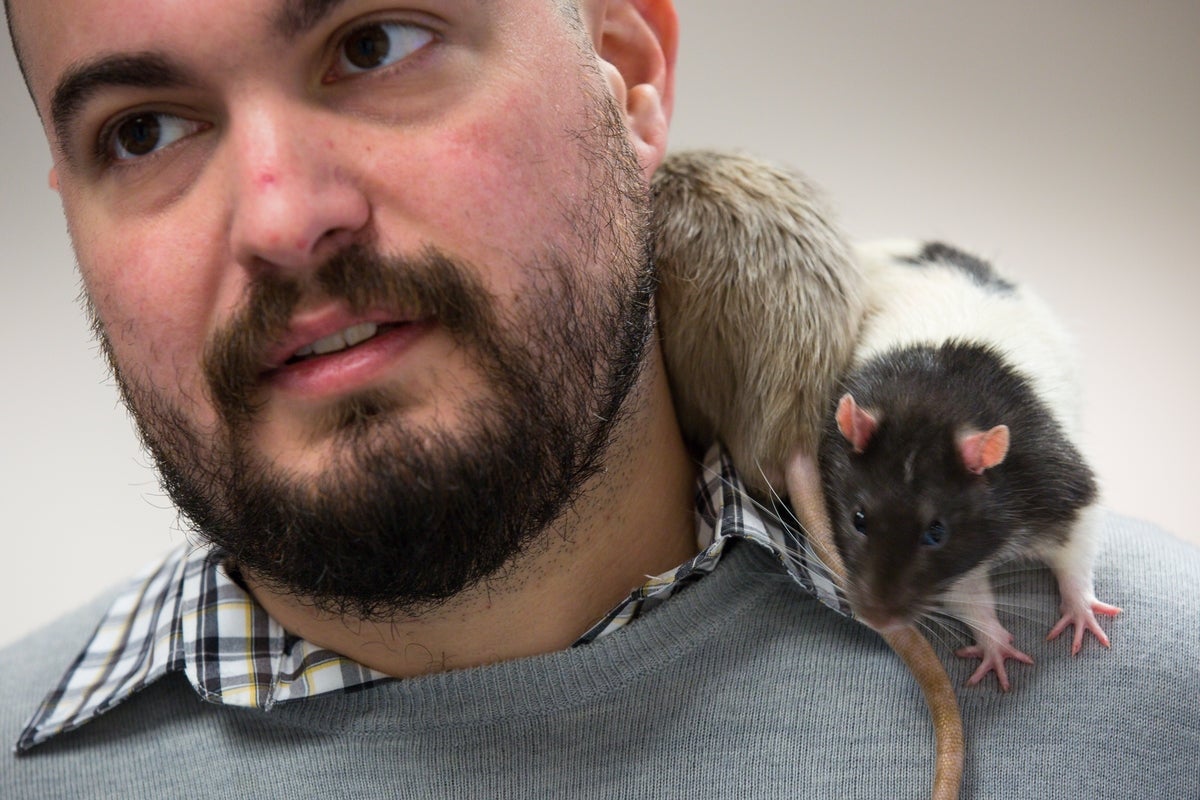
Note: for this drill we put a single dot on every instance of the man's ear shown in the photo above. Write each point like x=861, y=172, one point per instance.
x=637, y=40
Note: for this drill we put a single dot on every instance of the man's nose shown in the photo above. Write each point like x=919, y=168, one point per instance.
x=296, y=195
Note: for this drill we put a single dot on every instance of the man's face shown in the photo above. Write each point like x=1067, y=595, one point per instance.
x=254, y=186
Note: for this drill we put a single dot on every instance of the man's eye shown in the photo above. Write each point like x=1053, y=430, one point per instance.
x=379, y=44
x=141, y=134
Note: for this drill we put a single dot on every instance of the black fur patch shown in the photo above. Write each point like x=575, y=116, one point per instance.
x=978, y=270
x=911, y=475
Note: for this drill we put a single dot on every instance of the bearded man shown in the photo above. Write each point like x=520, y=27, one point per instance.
x=375, y=283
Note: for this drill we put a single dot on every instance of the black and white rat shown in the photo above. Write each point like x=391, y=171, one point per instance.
x=953, y=449
x=760, y=303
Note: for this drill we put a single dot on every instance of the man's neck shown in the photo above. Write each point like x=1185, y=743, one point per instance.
x=633, y=520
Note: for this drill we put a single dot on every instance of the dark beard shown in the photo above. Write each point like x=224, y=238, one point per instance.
x=403, y=518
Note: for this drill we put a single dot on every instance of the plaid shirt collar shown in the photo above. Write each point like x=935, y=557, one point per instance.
x=187, y=614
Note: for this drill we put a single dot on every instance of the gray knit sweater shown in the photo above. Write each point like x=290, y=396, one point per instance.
x=740, y=686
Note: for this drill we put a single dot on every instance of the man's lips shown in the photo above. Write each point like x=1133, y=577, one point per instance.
x=337, y=342
x=353, y=367
x=327, y=334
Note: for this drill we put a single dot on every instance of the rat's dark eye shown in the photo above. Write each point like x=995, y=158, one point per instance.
x=860, y=522
x=935, y=535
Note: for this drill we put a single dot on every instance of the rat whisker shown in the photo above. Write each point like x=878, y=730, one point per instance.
x=933, y=630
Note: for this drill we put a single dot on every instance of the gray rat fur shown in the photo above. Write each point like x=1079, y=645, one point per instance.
x=760, y=301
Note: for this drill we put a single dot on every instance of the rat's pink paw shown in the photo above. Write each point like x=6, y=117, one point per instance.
x=1083, y=617
x=994, y=653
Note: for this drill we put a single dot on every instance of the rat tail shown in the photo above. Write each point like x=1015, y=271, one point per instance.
x=917, y=654
x=804, y=490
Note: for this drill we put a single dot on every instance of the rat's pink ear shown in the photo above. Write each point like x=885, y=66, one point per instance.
x=982, y=451
x=855, y=424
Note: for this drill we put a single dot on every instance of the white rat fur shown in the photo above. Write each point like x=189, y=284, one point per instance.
x=1015, y=321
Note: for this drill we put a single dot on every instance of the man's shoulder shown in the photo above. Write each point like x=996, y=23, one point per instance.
x=1156, y=572
x=1151, y=575
x=1154, y=577
x=1102, y=705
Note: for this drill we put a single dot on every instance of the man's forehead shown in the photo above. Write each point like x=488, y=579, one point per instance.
x=56, y=36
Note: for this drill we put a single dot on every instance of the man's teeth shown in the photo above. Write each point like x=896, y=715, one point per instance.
x=339, y=341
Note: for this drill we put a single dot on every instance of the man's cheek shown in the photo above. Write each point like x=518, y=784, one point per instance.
x=153, y=340
x=502, y=189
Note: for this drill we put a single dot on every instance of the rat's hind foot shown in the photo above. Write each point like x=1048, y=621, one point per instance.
x=994, y=653
x=1081, y=613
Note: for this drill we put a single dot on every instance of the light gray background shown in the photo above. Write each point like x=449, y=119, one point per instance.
x=1059, y=138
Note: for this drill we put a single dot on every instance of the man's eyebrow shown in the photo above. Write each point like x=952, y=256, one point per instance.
x=83, y=81
x=297, y=16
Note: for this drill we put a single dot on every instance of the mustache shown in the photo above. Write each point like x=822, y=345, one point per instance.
x=430, y=284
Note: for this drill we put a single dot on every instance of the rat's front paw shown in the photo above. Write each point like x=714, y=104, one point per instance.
x=1082, y=615
x=994, y=653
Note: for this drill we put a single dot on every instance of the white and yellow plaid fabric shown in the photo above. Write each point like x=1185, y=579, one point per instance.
x=187, y=614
